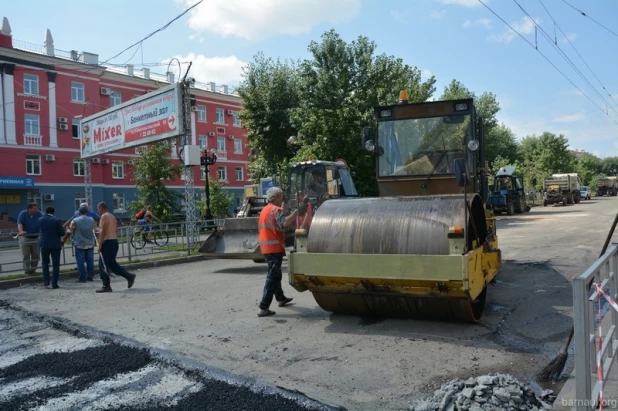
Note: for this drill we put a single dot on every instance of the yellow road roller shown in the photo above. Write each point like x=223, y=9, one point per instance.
x=427, y=246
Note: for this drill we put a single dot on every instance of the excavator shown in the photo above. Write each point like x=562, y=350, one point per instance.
x=427, y=247
x=310, y=184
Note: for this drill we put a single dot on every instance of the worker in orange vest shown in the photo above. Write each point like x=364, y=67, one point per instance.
x=271, y=227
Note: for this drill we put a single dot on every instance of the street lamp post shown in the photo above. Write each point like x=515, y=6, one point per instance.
x=206, y=161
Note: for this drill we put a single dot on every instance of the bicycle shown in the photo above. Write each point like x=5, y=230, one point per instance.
x=139, y=238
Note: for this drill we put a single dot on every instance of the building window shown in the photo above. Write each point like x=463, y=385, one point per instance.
x=78, y=199
x=237, y=146
x=77, y=92
x=237, y=122
x=117, y=169
x=201, y=113
x=31, y=84
x=240, y=174
x=32, y=125
x=118, y=199
x=75, y=128
x=33, y=165
x=221, y=144
x=220, y=116
x=34, y=196
x=222, y=173
x=115, y=99
x=79, y=168
x=203, y=141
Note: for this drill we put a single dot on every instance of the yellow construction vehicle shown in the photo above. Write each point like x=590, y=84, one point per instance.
x=310, y=184
x=427, y=247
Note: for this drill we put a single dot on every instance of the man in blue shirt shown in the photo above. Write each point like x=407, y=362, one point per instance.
x=28, y=228
x=90, y=213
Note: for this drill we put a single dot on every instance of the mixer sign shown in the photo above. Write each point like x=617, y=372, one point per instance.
x=153, y=117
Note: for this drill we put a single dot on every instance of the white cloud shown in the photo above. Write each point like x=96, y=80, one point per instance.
x=570, y=37
x=437, y=14
x=426, y=74
x=465, y=3
x=486, y=23
x=260, y=19
x=399, y=16
x=221, y=70
x=569, y=118
x=524, y=26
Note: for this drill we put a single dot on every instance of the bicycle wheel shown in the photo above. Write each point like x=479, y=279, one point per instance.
x=137, y=241
x=160, y=238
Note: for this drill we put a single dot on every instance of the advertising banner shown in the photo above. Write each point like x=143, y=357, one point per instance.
x=147, y=119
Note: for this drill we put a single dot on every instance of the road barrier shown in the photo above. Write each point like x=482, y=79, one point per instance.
x=595, y=351
x=169, y=239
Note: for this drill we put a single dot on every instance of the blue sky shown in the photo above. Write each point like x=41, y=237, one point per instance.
x=449, y=39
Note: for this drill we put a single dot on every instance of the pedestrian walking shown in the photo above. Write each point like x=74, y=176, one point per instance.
x=82, y=229
x=51, y=244
x=271, y=226
x=108, y=248
x=28, y=231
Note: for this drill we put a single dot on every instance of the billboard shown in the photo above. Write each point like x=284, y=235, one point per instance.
x=153, y=117
x=265, y=184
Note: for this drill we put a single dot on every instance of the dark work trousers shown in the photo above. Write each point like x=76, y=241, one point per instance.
x=109, y=251
x=273, y=280
x=55, y=258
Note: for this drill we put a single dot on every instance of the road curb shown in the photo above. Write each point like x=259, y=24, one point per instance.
x=18, y=282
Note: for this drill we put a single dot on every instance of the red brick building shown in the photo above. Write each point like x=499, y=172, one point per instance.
x=43, y=93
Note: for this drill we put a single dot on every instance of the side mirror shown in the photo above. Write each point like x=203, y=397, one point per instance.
x=461, y=172
x=365, y=136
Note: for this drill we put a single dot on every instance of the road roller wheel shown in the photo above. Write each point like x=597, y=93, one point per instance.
x=403, y=306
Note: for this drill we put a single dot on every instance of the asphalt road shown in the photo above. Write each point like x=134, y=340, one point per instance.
x=47, y=365
x=206, y=311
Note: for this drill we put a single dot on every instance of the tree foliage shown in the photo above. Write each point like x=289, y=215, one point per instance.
x=545, y=155
x=221, y=200
x=270, y=90
x=150, y=171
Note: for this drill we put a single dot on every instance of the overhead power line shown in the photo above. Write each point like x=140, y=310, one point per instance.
x=565, y=57
x=585, y=15
x=546, y=58
x=580, y=56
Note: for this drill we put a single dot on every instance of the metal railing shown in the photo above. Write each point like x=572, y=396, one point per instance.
x=177, y=244
x=586, y=320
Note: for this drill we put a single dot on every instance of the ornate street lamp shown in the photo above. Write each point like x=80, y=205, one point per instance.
x=206, y=161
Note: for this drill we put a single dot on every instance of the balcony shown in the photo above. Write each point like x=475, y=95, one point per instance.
x=222, y=155
x=32, y=140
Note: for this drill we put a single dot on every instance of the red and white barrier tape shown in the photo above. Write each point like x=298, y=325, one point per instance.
x=610, y=300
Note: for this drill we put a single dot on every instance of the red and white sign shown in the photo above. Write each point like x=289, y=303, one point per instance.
x=154, y=117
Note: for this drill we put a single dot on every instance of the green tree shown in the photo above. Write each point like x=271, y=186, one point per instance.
x=341, y=84
x=221, y=200
x=588, y=166
x=501, y=144
x=269, y=90
x=610, y=166
x=545, y=155
x=150, y=172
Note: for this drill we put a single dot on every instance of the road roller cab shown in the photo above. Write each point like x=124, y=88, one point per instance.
x=427, y=246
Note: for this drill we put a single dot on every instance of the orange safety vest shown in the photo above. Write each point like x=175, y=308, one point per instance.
x=272, y=237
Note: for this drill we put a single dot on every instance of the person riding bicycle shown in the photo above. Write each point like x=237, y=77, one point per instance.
x=143, y=218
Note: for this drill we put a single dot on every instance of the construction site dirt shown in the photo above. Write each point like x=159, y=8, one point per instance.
x=206, y=312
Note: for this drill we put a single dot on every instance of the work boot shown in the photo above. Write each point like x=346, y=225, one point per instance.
x=129, y=277
x=106, y=286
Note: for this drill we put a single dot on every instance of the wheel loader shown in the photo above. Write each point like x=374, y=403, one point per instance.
x=310, y=184
x=427, y=246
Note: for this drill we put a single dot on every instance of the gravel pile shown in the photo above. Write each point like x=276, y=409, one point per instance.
x=488, y=392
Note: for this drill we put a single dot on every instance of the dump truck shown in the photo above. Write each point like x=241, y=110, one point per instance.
x=237, y=238
x=426, y=247
x=508, y=194
x=561, y=189
x=606, y=186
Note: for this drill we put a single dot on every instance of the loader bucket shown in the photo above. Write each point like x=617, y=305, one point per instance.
x=237, y=239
